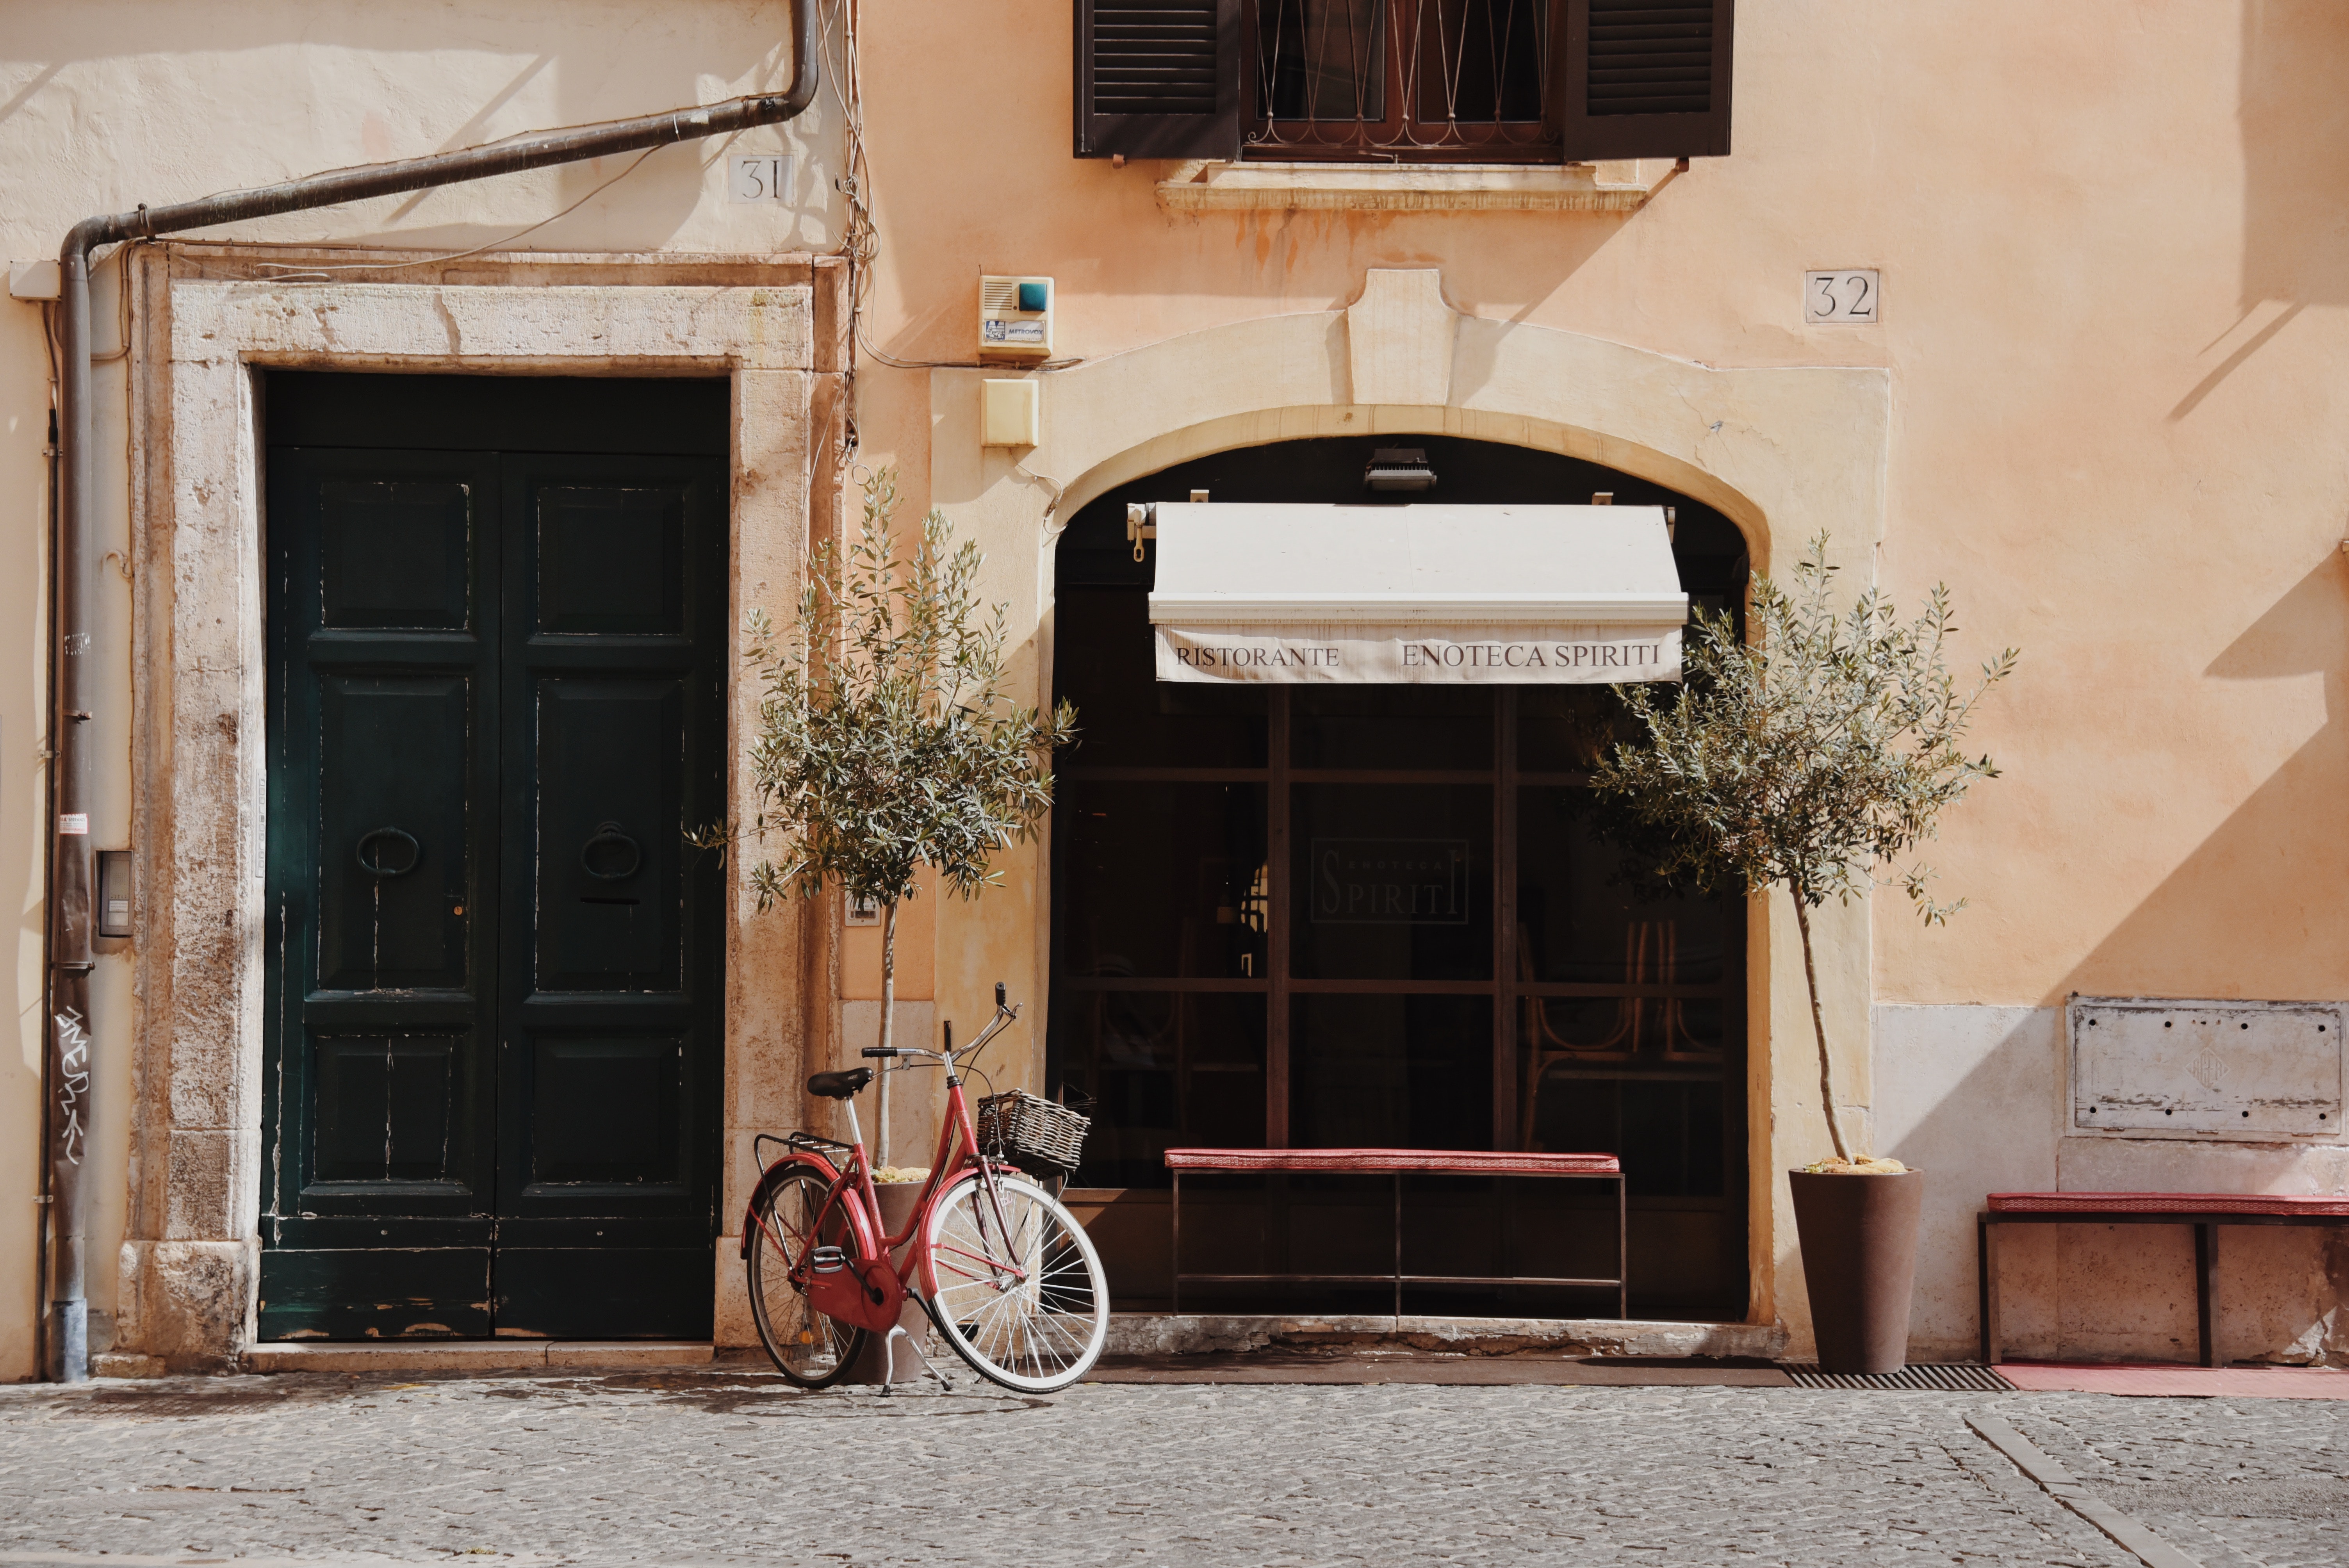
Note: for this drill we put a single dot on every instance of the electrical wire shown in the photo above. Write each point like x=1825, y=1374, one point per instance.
x=309, y=274
x=122, y=296
x=861, y=239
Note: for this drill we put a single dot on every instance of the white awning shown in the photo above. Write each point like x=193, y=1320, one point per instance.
x=1465, y=595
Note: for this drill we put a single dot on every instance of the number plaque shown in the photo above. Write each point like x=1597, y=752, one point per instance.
x=1845, y=297
x=767, y=177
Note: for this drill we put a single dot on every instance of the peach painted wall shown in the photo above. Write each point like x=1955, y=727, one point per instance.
x=2113, y=275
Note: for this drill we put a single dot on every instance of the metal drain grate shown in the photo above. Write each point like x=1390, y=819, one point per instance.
x=1950, y=1378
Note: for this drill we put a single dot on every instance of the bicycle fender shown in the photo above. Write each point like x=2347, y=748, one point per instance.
x=815, y=1163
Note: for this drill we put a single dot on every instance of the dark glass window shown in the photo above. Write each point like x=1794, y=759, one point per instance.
x=1334, y=916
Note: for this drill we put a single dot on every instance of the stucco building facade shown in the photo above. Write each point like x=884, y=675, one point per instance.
x=2088, y=384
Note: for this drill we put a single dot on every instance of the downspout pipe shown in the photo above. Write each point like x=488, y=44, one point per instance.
x=76, y=556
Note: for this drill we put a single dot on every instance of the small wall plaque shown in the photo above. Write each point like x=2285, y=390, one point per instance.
x=2255, y=1071
x=1848, y=296
x=763, y=176
x=864, y=910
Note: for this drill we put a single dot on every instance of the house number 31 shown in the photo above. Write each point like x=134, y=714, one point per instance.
x=1844, y=297
x=767, y=177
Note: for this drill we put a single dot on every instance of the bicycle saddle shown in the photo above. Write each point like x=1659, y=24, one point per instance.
x=839, y=1086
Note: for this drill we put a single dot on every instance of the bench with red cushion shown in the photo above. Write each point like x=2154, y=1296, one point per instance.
x=2206, y=1211
x=1397, y=1163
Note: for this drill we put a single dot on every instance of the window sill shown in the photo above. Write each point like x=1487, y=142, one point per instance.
x=1616, y=187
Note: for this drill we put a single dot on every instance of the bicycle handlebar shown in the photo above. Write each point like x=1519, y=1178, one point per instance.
x=1004, y=1013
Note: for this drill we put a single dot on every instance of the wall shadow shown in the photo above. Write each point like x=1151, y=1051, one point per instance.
x=2294, y=124
x=2266, y=880
x=2295, y=129
x=580, y=71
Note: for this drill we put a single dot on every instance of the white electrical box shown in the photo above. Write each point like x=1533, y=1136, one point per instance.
x=1015, y=318
x=34, y=280
x=1010, y=413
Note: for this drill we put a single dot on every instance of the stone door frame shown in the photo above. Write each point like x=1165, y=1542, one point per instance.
x=210, y=317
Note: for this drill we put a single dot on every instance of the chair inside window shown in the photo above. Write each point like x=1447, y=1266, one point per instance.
x=1648, y=1026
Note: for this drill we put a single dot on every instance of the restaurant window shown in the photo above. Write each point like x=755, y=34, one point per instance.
x=1375, y=915
x=1405, y=81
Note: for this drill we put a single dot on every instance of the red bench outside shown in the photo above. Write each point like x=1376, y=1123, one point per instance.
x=1398, y=1163
x=2206, y=1211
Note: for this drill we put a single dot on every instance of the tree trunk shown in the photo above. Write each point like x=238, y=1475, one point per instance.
x=1820, y=1025
x=888, y=1023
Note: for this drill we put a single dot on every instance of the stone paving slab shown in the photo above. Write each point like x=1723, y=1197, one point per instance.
x=1447, y=1371
x=724, y=1466
x=2170, y=1381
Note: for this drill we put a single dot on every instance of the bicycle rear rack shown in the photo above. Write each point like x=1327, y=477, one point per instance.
x=801, y=1142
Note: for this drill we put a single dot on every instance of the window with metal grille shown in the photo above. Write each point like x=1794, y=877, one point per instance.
x=1406, y=80
x=1395, y=81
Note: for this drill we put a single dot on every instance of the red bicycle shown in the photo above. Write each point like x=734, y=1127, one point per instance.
x=1007, y=1276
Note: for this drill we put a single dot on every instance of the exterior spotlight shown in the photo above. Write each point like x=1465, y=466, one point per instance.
x=1398, y=468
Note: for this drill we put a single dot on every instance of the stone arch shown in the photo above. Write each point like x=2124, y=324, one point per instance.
x=1783, y=451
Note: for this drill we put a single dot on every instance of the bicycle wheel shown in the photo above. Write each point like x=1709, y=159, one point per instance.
x=807, y=1348
x=1021, y=1295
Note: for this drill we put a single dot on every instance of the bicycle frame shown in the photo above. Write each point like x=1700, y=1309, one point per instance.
x=880, y=1291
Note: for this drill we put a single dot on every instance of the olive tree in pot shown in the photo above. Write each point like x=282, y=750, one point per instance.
x=886, y=740
x=1807, y=756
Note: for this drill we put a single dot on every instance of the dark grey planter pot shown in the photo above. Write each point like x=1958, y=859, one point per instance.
x=1859, y=1236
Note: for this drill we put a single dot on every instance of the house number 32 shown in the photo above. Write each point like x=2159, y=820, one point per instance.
x=1845, y=296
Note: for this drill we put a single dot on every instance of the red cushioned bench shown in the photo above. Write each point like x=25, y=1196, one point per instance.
x=1399, y=1164
x=2206, y=1211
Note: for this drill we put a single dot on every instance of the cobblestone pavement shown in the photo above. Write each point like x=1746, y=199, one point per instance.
x=675, y=1468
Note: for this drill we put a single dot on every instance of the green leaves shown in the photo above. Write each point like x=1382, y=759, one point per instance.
x=885, y=740
x=1821, y=749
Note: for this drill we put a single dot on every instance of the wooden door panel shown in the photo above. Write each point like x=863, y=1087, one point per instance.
x=605, y=1292
x=607, y=1149
x=611, y=558
x=372, y=1293
x=608, y=1116
x=395, y=553
x=389, y=1109
x=382, y=799
x=394, y=852
x=610, y=852
x=495, y=1049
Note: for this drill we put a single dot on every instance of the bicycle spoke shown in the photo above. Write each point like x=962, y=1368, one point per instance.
x=1017, y=1284
x=807, y=1346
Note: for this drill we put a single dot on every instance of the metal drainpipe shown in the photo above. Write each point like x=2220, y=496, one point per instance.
x=74, y=553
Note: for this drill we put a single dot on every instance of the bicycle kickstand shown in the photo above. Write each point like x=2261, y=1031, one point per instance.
x=889, y=1360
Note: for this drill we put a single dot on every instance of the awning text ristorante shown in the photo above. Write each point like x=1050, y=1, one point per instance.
x=1415, y=594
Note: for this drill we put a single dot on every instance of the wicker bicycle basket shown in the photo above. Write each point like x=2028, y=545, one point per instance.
x=1030, y=1130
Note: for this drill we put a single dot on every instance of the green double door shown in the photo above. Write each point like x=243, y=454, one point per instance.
x=496, y=619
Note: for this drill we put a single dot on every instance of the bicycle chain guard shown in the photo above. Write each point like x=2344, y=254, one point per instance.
x=867, y=1294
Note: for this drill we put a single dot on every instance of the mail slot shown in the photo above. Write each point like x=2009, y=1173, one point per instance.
x=114, y=893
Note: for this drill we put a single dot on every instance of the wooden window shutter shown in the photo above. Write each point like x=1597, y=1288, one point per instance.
x=1158, y=78
x=1645, y=78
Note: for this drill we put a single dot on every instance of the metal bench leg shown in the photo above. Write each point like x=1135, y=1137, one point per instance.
x=1986, y=1265
x=1398, y=1260
x=1175, y=1248
x=1622, y=1250
x=2206, y=1291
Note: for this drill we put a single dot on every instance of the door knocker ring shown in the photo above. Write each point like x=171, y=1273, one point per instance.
x=609, y=833
x=375, y=865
